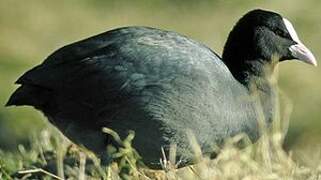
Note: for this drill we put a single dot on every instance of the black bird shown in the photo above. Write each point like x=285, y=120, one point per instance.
x=162, y=85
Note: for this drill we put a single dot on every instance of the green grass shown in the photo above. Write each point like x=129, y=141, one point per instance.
x=31, y=30
x=53, y=157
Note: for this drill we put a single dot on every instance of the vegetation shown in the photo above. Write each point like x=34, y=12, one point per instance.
x=31, y=30
x=48, y=158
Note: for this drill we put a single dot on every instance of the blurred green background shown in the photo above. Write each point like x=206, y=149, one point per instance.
x=31, y=30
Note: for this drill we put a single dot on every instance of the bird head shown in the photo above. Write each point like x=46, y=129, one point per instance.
x=261, y=38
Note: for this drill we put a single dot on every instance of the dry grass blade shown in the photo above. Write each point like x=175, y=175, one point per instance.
x=113, y=134
x=82, y=166
x=39, y=170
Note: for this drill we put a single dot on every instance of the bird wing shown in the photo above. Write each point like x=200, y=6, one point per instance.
x=103, y=73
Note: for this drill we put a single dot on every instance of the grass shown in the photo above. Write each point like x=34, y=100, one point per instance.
x=32, y=30
x=50, y=159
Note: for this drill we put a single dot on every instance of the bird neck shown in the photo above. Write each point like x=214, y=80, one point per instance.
x=264, y=92
x=260, y=79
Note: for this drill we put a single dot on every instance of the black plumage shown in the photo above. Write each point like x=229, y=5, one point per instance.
x=161, y=85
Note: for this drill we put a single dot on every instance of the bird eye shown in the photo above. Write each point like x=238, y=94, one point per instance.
x=279, y=32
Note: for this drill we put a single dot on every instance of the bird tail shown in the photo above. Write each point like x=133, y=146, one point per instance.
x=29, y=95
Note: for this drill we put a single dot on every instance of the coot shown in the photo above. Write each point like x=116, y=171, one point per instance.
x=162, y=85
